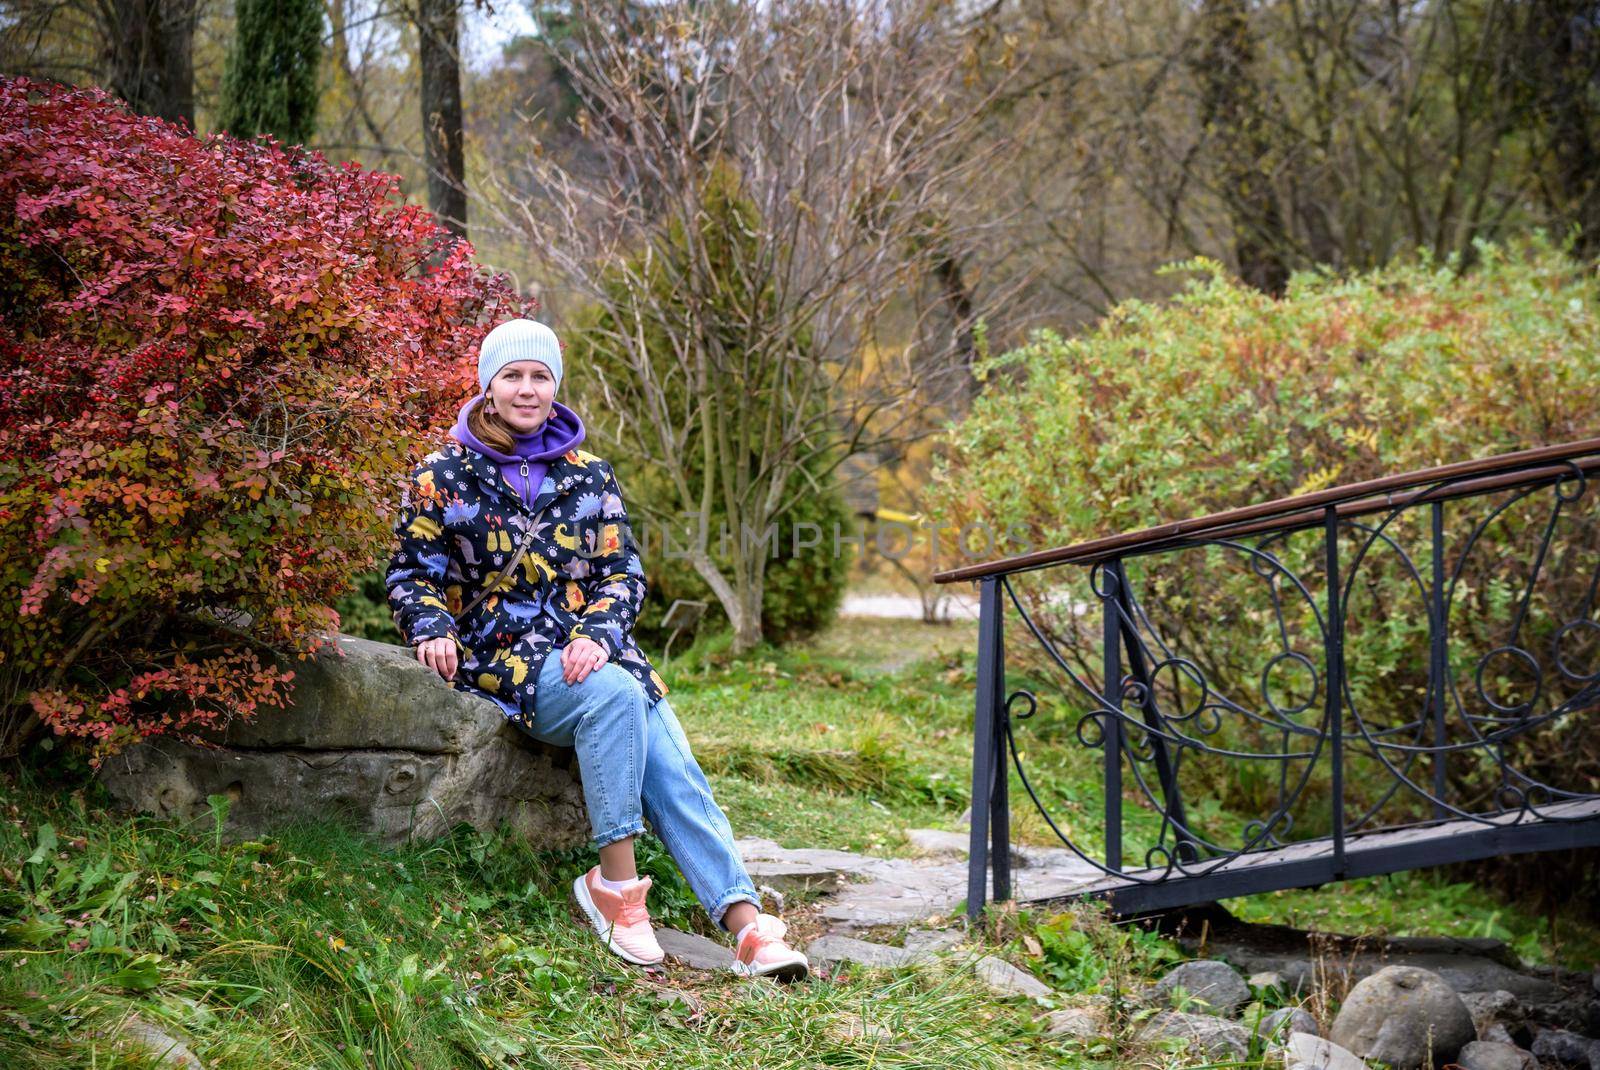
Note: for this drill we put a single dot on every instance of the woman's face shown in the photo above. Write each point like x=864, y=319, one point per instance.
x=522, y=394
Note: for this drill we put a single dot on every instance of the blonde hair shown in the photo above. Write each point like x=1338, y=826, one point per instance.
x=490, y=429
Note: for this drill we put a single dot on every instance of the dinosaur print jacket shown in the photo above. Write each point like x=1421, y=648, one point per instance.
x=460, y=523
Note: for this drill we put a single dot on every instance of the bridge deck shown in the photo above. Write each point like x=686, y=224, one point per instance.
x=1561, y=826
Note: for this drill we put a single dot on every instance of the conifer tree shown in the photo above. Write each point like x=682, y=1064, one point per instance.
x=270, y=84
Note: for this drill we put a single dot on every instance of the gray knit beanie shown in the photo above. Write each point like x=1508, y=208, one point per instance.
x=516, y=340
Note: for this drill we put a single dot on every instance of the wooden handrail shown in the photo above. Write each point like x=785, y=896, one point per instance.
x=1304, y=510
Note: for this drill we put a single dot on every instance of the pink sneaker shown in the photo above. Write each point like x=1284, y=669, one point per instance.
x=620, y=919
x=762, y=952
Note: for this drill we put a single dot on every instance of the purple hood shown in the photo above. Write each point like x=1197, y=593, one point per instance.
x=561, y=431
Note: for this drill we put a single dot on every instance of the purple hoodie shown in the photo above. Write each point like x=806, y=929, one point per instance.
x=561, y=431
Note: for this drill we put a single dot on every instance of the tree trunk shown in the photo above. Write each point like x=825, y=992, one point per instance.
x=438, y=32
x=747, y=629
x=1230, y=112
x=1561, y=58
x=340, y=43
x=744, y=612
x=152, y=57
x=958, y=301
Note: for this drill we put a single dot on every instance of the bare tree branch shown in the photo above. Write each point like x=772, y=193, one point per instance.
x=772, y=186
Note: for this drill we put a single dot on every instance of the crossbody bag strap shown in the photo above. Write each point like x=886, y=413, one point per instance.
x=511, y=567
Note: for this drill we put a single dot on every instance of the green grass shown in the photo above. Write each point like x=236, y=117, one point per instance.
x=818, y=746
x=318, y=948
x=775, y=732
x=1425, y=903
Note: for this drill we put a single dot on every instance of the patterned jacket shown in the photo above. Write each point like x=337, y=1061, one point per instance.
x=460, y=523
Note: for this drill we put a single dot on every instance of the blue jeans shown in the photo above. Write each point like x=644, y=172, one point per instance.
x=635, y=763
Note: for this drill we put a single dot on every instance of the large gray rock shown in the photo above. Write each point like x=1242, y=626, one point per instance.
x=1307, y=1051
x=794, y=878
x=1559, y=1047
x=1286, y=1021
x=1405, y=1017
x=1466, y=965
x=1004, y=979
x=938, y=841
x=1489, y=1009
x=1214, y=983
x=1217, y=1037
x=1085, y=1021
x=158, y=1046
x=694, y=951
x=931, y=941
x=1488, y=1055
x=833, y=949
x=373, y=737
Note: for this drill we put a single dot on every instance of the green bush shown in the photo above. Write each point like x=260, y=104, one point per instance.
x=364, y=610
x=800, y=592
x=1226, y=397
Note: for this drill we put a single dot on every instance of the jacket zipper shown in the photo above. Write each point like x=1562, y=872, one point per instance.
x=525, y=487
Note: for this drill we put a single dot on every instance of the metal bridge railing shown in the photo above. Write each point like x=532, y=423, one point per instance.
x=1424, y=652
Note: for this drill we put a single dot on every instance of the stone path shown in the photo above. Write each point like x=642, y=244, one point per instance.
x=900, y=891
x=1485, y=995
x=862, y=893
x=906, y=607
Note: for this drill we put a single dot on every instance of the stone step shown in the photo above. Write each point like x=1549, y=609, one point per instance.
x=833, y=949
x=792, y=878
x=695, y=951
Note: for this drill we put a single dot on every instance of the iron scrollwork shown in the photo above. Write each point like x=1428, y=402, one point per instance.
x=1304, y=719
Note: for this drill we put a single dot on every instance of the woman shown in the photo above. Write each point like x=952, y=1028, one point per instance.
x=524, y=537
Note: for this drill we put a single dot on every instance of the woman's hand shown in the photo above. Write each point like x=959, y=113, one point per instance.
x=579, y=658
x=439, y=655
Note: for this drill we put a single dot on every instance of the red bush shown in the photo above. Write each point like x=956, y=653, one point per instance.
x=217, y=360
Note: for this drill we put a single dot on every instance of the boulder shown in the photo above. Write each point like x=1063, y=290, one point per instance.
x=1404, y=1016
x=1489, y=1009
x=794, y=878
x=694, y=951
x=833, y=949
x=1286, y=1021
x=1217, y=1037
x=1466, y=965
x=1487, y=1055
x=1499, y=1034
x=372, y=737
x=932, y=941
x=1086, y=1021
x=1004, y=979
x=157, y=1046
x=1559, y=1047
x=1214, y=983
x=1307, y=1051
x=938, y=841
